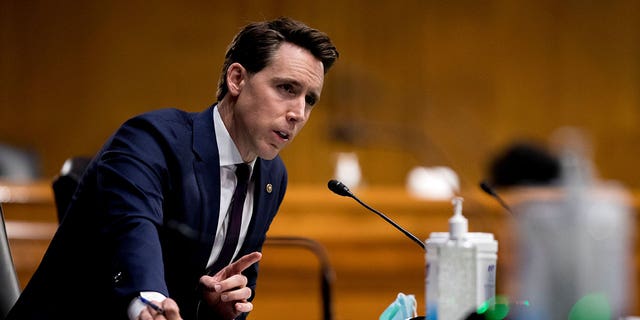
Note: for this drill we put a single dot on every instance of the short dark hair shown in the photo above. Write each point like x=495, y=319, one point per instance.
x=255, y=44
x=524, y=163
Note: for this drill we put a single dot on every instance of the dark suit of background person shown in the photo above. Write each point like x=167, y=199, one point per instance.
x=145, y=213
x=164, y=161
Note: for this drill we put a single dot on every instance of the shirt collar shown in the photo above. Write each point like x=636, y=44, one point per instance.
x=229, y=154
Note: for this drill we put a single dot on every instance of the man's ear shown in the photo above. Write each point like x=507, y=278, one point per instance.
x=236, y=76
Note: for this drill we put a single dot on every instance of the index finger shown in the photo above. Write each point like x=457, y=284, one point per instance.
x=245, y=262
x=171, y=310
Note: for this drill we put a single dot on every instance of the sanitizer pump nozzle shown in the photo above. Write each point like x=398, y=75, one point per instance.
x=458, y=224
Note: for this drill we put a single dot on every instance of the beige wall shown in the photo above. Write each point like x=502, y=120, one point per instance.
x=419, y=82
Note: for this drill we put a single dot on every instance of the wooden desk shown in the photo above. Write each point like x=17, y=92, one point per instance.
x=372, y=260
x=31, y=221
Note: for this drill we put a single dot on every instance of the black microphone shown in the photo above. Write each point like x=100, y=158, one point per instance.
x=340, y=189
x=486, y=187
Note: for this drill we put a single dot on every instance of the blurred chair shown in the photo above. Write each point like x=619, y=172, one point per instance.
x=18, y=164
x=65, y=183
x=9, y=287
x=326, y=271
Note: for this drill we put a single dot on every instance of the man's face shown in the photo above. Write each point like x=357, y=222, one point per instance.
x=274, y=104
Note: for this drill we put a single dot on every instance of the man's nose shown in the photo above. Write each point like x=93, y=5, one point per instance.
x=296, y=112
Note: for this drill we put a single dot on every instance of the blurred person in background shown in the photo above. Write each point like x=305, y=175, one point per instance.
x=572, y=230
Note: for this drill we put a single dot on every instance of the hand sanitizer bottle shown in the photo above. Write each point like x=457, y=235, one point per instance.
x=461, y=269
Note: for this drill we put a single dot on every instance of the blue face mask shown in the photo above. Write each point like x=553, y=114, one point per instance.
x=403, y=308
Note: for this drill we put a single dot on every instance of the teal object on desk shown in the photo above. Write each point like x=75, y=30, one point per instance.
x=404, y=307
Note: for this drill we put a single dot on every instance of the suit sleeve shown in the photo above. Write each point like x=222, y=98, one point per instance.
x=131, y=175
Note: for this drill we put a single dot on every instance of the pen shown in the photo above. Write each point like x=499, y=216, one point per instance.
x=151, y=304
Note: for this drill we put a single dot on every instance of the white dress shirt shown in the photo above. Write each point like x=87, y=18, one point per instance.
x=229, y=157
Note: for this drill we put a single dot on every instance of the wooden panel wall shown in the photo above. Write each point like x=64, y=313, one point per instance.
x=419, y=82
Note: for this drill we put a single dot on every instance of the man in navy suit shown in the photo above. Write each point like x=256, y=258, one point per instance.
x=151, y=215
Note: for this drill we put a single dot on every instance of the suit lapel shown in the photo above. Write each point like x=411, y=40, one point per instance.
x=207, y=172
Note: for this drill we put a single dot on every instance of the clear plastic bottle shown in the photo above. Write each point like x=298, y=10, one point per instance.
x=461, y=269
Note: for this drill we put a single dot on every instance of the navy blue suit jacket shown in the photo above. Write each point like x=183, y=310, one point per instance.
x=144, y=219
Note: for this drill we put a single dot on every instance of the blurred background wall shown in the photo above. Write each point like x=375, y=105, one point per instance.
x=419, y=82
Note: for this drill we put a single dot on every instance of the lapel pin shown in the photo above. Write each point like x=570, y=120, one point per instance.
x=269, y=187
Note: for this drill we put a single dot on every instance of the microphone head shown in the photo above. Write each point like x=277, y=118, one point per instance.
x=339, y=188
x=484, y=185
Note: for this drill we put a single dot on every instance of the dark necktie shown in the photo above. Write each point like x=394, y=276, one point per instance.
x=235, y=220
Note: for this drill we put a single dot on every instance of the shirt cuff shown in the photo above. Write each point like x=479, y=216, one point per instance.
x=136, y=306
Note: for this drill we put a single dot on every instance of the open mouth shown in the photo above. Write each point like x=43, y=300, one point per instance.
x=282, y=135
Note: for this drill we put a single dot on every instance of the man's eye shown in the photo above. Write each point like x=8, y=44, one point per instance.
x=287, y=88
x=311, y=100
